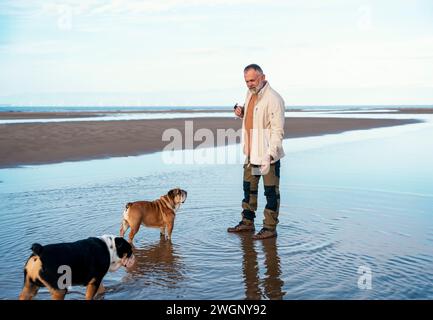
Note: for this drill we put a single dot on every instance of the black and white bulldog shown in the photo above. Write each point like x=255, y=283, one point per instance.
x=84, y=262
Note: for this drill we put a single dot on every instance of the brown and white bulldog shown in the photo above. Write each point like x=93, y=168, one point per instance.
x=159, y=213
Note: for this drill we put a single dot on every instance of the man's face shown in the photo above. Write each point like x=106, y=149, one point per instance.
x=254, y=80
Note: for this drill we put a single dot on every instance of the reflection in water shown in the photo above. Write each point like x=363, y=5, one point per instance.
x=272, y=283
x=250, y=268
x=157, y=264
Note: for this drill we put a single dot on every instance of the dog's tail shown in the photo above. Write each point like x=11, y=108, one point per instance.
x=37, y=248
x=124, y=226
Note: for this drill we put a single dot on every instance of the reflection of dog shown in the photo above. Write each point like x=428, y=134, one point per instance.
x=157, y=264
x=84, y=262
x=159, y=213
x=156, y=260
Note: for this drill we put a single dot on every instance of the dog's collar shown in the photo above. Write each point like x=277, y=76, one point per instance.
x=111, y=245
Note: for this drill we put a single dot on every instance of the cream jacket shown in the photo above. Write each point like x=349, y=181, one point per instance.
x=268, y=126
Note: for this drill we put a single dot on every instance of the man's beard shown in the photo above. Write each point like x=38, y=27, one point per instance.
x=256, y=90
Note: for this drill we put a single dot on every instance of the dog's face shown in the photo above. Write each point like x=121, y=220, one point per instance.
x=177, y=195
x=124, y=252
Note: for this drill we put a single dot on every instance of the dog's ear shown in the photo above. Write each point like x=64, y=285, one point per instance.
x=171, y=193
x=122, y=247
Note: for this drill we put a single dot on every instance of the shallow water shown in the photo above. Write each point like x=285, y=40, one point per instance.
x=206, y=114
x=125, y=116
x=357, y=199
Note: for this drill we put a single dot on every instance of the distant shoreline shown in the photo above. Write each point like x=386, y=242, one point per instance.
x=15, y=115
x=10, y=115
x=44, y=143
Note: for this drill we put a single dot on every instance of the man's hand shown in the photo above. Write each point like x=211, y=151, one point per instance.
x=266, y=164
x=239, y=111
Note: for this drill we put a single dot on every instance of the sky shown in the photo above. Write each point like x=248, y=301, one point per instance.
x=191, y=52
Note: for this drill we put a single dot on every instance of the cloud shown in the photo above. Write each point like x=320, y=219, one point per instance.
x=135, y=45
x=39, y=48
x=110, y=7
x=140, y=7
x=367, y=64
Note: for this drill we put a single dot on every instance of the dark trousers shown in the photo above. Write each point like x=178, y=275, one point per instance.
x=271, y=182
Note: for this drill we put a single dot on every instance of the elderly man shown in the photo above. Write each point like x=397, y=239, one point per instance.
x=262, y=135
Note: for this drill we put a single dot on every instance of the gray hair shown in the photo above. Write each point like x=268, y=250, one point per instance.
x=255, y=67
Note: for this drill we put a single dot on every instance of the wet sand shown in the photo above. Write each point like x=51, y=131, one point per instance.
x=40, y=143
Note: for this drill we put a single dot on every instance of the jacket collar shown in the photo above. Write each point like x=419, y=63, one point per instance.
x=262, y=90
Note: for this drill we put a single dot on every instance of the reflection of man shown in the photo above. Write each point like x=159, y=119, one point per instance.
x=272, y=283
x=262, y=132
x=250, y=269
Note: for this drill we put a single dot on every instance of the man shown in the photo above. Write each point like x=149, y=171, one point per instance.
x=262, y=135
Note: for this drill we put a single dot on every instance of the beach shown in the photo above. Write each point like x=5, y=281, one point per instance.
x=41, y=143
x=107, y=107
x=355, y=195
